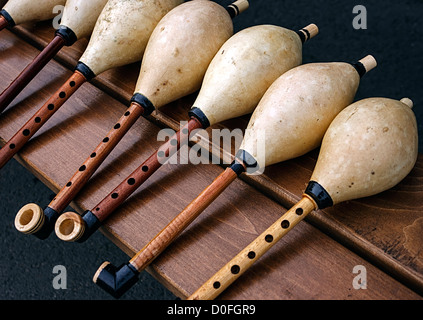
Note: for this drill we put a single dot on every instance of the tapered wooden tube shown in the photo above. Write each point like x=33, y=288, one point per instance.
x=153, y=249
x=370, y=147
x=41, y=117
x=72, y=227
x=30, y=71
x=78, y=21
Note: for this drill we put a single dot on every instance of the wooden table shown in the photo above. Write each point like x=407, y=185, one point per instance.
x=315, y=261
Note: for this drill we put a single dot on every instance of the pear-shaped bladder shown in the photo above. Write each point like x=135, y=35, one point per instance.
x=296, y=111
x=78, y=21
x=370, y=147
x=119, y=37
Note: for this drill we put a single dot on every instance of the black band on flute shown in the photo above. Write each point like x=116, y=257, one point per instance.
x=197, y=113
x=143, y=102
x=67, y=34
x=360, y=68
x=50, y=218
x=319, y=195
x=91, y=225
x=85, y=70
x=237, y=167
x=10, y=22
x=248, y=160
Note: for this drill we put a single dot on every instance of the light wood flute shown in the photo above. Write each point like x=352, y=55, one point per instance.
x=369, y=148
x=207, y=26
x=131, y=21
x=78, y=21
x=16, y=12
x=72, y=227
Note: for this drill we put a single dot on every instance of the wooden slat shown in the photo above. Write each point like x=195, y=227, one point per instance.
x=307, y=264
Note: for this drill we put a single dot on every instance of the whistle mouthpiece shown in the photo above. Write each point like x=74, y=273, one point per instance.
x=308, y=32
x=238, y=7
x=369, y=63
x=32, y=219
x=69, y=227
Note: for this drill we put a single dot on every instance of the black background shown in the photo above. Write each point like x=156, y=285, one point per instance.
x=393, y=37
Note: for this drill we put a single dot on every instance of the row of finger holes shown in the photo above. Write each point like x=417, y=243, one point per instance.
x=50, y=107
x=93, y=155
x=235, y=269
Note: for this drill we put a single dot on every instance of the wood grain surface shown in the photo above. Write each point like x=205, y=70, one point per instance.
x=315, y=261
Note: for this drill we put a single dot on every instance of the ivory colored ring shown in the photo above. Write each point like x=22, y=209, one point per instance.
x=70, y=227
x=29, y=219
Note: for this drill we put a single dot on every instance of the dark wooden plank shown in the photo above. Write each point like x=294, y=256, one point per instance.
x=305, y=265
x=383, y=240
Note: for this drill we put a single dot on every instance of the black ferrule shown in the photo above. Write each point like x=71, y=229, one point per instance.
x=50, y=219
x=67, y=34
x=91, y=225
x=319, y=195
x=200, y=116
x=249, y=161
x=85, y=70
x=361, y=69
x=116, y=281
x=304, y=35
x=237, y=167
x=144, y=102
x=10, y=22
x=233, y=10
